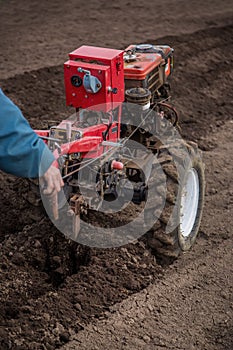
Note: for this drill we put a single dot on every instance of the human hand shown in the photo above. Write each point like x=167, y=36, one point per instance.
x=52, y=180
x=53, y=183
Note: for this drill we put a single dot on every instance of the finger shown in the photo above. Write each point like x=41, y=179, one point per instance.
x=54, y=204
x=59, y=178
x=61, y=182
x=50, y=186
x=57, y=183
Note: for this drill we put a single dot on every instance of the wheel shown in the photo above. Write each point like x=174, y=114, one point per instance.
x=177, y=227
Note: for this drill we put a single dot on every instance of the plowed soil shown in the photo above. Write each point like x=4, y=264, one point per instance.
x=57, y=294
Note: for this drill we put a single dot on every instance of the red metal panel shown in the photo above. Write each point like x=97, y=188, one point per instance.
x=103, y=55
x=78, y=96
x=117, y=74
x=96, y=59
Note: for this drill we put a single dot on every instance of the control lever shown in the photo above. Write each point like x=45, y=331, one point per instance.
x=90, y=82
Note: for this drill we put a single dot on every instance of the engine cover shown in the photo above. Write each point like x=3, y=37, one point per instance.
x=147, y=66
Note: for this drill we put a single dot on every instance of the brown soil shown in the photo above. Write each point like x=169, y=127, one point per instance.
x=54, y=291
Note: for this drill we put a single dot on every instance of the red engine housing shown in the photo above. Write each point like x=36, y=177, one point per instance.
x=102, y=63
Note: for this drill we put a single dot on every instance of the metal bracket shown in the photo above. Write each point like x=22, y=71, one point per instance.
x=75, y=206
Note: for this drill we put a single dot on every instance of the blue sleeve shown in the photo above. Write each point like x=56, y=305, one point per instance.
x=22, y=152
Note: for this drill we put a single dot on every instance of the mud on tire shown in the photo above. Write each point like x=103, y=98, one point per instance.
x=177, y=227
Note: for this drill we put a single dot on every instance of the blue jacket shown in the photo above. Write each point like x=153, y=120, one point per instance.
x=22, y=152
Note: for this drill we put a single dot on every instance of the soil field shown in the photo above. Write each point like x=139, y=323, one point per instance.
x=57, y=294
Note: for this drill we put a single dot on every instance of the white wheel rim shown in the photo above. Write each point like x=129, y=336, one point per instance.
x=189, y=202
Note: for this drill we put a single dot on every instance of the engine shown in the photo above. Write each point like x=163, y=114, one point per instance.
x=148, y=67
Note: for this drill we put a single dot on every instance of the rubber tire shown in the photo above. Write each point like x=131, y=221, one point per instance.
x=172, y=244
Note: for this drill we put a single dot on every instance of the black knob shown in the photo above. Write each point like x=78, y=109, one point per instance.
x=76, y=80
x=114, y=91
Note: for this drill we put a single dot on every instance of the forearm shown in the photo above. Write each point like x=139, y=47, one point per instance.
x=22, y=153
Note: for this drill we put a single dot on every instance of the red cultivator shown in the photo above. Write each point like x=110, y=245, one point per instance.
x=123, y=96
